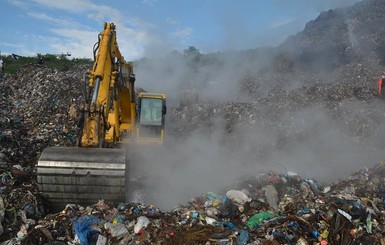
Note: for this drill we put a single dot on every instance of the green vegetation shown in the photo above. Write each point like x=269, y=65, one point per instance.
x=60, y=62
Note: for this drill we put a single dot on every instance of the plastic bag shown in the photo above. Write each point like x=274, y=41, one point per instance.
x=142, y=222
x=116, y=230
x=258, y=219
x=238, y=197
x=243, y=237
x=83, y=228
x=271, y=196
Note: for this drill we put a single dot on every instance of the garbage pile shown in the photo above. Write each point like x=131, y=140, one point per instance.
x=267, y=208
x=354, y=108
x=339, y=36
x=38, y=108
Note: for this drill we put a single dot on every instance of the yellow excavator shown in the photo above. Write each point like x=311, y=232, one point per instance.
x=115, y=118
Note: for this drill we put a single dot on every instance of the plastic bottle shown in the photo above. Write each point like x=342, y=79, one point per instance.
x=369, y=223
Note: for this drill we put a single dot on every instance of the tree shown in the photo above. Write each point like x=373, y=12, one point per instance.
x=191, y=51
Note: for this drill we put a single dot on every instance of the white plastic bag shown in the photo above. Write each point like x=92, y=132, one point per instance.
x=238, y=197
x=142, y=222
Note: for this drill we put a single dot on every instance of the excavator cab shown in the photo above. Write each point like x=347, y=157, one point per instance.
x=150, y=125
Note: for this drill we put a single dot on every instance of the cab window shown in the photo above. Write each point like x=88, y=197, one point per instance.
x=151, y=112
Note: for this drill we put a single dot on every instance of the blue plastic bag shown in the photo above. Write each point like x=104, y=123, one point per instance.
x=229, y=225
x=243, y=237
x=83, y=228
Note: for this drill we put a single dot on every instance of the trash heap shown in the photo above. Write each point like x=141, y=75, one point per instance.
x=355, y=109
x=267, y=208
x=338, y=36
x=38, y=108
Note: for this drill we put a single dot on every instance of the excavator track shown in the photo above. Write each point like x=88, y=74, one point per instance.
x=74, y=175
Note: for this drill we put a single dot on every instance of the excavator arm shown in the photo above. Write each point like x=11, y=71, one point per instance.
x=111, y=78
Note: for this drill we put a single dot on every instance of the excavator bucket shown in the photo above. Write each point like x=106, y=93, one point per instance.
x=68, y=175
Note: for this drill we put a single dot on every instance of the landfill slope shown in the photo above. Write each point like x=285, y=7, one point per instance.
x=304, y=144
x=338, y=36
x=39, y=109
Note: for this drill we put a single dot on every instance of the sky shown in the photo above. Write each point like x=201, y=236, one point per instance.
x=148, y=28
